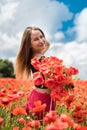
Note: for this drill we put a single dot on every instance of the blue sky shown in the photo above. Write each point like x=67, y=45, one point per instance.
x=75, y=7
x=63, y=21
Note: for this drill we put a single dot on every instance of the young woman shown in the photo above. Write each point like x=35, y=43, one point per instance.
x=33, y=44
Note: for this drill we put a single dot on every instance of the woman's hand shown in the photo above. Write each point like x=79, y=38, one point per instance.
x=47, y=45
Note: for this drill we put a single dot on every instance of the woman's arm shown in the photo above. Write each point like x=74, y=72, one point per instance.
x=47, y=45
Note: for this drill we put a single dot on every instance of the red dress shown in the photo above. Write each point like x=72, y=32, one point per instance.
x=44, y=98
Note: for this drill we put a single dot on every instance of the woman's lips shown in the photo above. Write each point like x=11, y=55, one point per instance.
x=42, y=44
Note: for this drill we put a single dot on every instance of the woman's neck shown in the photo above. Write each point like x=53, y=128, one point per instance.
x=38, y=55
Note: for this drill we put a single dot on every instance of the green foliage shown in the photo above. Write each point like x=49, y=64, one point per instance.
x=6, y=68
x=10, y=121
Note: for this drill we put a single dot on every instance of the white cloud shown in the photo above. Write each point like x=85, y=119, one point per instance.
x=46, y=14
x=81, y=26
x=9, y=45
x=58, y=36
x=7, y=11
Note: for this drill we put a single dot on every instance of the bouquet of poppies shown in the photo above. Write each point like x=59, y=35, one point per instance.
x=52, y=74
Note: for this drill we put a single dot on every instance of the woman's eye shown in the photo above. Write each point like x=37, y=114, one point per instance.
x=41, y=36
x=36, y=39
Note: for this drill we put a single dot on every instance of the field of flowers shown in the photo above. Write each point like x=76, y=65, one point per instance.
x=70, y=114
x=71, y=105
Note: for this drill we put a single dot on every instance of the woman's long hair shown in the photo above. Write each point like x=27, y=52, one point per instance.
x=23, y=59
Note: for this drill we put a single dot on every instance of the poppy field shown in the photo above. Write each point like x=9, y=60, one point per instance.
x=70, y=113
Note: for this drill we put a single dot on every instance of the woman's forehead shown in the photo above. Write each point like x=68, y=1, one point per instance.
x=35, y=33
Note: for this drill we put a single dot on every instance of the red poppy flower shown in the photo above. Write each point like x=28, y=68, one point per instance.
x=72, y=71
x=26, y=128
x=21, y=121
x=50, y=117
x=16, y=128
x=50, y=83
x=5, y=101
x=39, y=107
x=38, y=80
x=1, y=120
x=83, y=128
x=19, y=111
x=34, y=124
x=35, y=62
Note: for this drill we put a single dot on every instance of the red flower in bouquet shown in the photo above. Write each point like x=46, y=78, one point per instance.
x=38, y=78
x=71, y=71
x=83, y=128
x=58, y=93
x=50, y=83
x=52, y=74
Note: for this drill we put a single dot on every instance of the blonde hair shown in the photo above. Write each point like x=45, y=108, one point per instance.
x=24, y=56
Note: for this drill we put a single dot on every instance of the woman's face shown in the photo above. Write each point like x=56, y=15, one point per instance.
x=37, y=41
